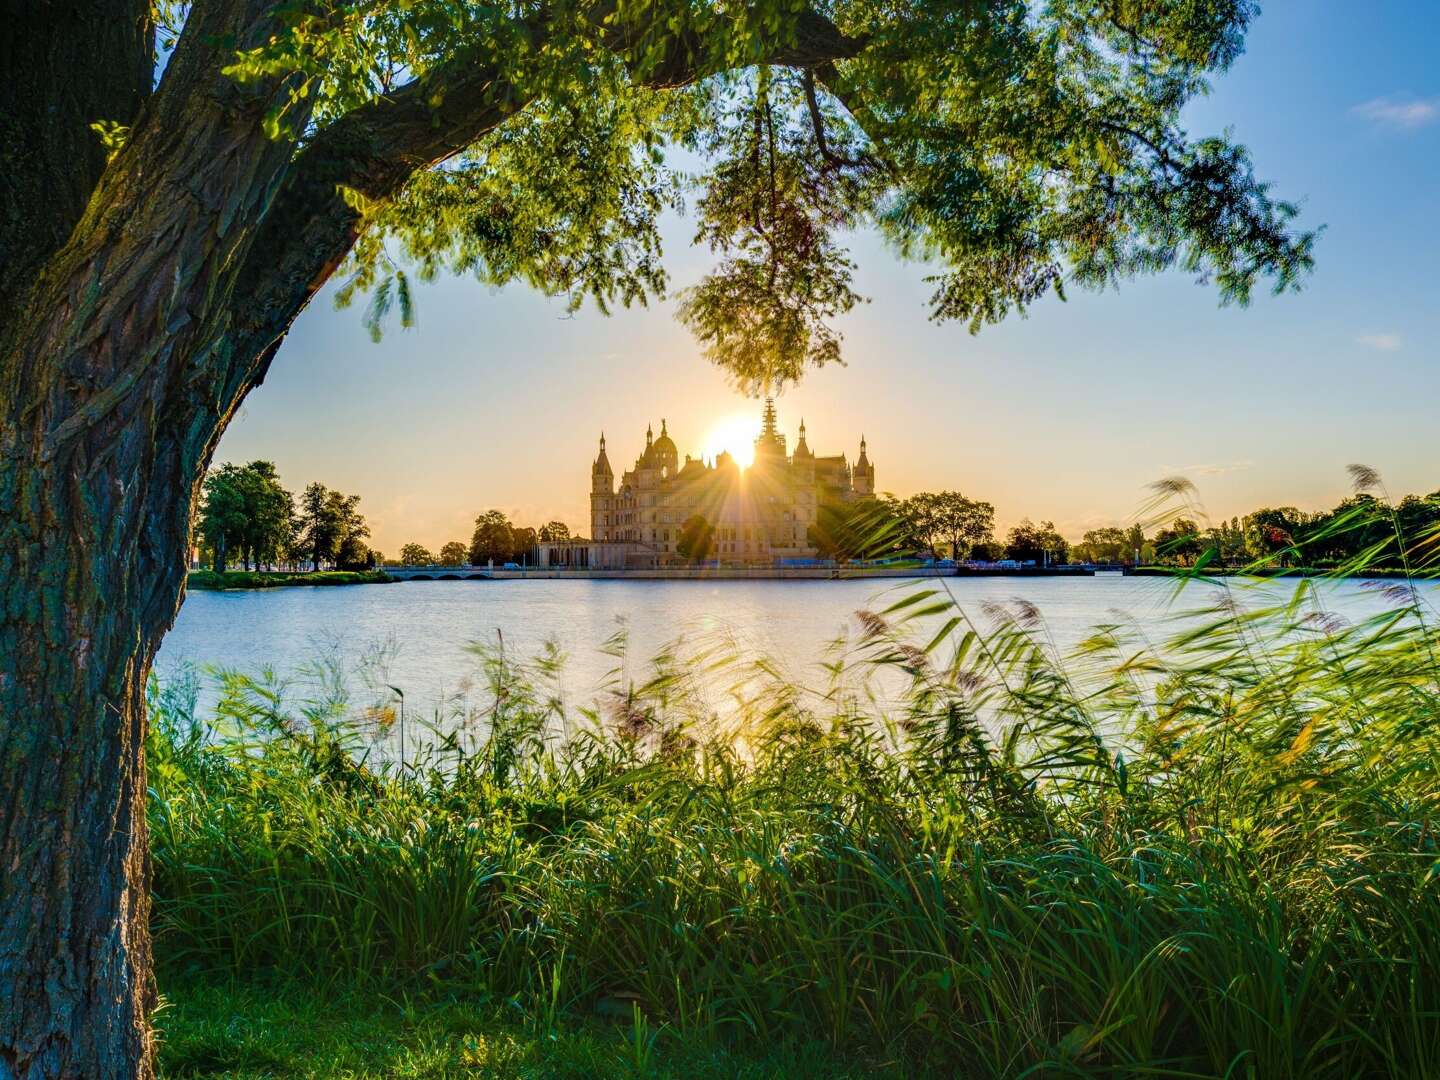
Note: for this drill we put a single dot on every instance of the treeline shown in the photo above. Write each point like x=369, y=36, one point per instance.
x=247, y=517
x=1367, y=528
x=496, y=539
x=930, y=524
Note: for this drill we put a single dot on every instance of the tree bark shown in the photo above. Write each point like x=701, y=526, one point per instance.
x=108, y=415
x=67, y=64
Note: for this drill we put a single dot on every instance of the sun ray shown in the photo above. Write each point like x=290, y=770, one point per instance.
x=734, y=434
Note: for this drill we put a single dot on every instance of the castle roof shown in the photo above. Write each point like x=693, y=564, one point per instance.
x=665, y=443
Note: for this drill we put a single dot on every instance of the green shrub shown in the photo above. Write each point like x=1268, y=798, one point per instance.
x=256, y=579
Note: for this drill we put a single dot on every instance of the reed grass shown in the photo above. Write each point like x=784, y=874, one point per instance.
x=959, y=850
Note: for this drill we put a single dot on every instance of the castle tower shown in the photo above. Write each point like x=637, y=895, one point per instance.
x=770, y=445
x=864, y=474
x=602, y=496
x=802, y=449
x=602, y=477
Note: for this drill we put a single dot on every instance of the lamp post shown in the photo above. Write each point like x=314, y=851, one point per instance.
x=401, y=695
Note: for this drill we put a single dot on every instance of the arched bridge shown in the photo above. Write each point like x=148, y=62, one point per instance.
x=440, y=573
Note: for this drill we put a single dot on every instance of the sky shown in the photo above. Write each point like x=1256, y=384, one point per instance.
x=496, y=398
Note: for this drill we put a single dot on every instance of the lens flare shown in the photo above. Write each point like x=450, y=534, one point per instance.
x=734, y=434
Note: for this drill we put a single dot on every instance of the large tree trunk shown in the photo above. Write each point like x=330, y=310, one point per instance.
x=115, y=383
x=75, y=649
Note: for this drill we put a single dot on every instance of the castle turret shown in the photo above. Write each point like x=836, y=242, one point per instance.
x=863, y=475
x=664, y=453
x=602, y=496
x=802, y=449
x=602, y=477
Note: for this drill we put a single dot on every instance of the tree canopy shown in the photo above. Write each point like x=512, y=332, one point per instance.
x=1016, y=148
x=330, y=528
x=245, y=513
x=697, y=539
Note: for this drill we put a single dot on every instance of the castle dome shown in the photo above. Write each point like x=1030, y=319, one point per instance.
x=663, y=451
x=665, y=444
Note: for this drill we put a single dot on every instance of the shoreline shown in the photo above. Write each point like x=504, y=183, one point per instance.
x=249, y=580
x=246, y=580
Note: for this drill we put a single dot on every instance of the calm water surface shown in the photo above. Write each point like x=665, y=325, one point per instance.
x=416, y=635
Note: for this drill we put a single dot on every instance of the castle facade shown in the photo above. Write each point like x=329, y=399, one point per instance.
x=758, y=516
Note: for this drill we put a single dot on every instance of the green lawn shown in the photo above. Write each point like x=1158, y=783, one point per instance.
x=254, y=579
x=257, y=1033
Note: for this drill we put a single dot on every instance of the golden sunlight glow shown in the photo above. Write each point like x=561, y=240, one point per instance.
x=736, y=434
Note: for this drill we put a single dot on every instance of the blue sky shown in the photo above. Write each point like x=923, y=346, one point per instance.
x=496, y=398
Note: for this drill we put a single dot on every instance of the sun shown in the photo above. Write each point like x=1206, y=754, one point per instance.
x=736, y=434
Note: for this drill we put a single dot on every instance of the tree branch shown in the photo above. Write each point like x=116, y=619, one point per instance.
x=376, y=148
x=817, y=122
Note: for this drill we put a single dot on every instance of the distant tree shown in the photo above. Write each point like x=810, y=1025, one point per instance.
x=1278, y=531
x=1029, y=542
x=986, y=550
x=1180, y=541
x=1418, y=518
x=416, y=555
x=962, y=522
x=245, y=513
x=269, y=509
x=222, y=513
x=1105, y=545
x=554, y=532
x=523, y=539
x=352, y=552
x=318, y=534
x=1227, y=542
x=1135, y=543
x=330, y=528
x=454, y=554
x=921, y=514
x=493, y=539
x=697, y=539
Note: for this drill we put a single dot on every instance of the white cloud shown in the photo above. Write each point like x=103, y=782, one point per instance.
x=1209, y=468
x=1383, y=342
x=1400, y=112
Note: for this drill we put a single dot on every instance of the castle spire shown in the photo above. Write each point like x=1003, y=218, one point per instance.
x=864, y=473
x=768, y=427
x=601, y=473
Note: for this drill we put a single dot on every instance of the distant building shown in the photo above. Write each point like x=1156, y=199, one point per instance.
x=759, y=514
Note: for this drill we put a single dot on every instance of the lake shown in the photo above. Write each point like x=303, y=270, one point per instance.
x=417, y=635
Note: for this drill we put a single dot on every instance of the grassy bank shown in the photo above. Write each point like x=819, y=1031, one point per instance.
x=257, y=579
x=259, y=1032
x=954, y=852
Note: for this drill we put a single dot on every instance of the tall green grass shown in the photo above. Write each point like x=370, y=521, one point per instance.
x=956, y=848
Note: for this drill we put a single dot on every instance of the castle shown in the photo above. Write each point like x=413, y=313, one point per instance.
x=759, y=516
